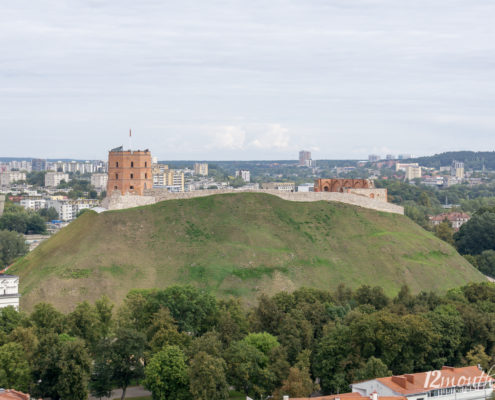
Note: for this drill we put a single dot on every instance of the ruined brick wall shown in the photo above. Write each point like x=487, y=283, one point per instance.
x=129, y=172
x=339, y=185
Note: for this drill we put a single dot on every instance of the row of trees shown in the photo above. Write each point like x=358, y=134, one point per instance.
x=181, y=343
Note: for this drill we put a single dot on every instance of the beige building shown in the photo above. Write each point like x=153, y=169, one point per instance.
x=413, y=172
x=9, y=177
x=165, y=177
x=201, y=169
x=53, y=179
x=457, y=170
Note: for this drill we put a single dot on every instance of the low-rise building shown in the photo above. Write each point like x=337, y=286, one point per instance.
x=9, y=291
x=67, y=209
x=9, y=177
x=33, y=203
x=455, y=219
x=449, y=383
x=282, y=186
x=53, y=179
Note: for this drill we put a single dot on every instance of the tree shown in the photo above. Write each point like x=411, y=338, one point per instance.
x=35, y=224
x=12, y=245
x=445, y=232
x=101, y=384
x=207, y=377
x=14, y=221
x=126, y=354
x=297, y=384
x=374, y=368
x=47, y=319
x=15, y=372
x=75, y=366
x=84, y=323
x=476, y=235
x=48, y=214
x=166, y=375
x=477, y=356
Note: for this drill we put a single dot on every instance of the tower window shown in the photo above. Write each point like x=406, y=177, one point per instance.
x=131, y=187
x=116, y=176
x=145, y=164
x=115, y=187
x=132, y=176
x=145, y=175
x=132, y=164
x=117, y=164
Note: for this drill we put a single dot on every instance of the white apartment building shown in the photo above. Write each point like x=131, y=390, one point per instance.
x=244, y=174
x=9, y=177
x=67, y=209
x=449, y=383
x=33, y=203
x=282, y=186
x=413, y=172
x=9, y=291
x=53, y=179
x=99, y=181
x=201, y=169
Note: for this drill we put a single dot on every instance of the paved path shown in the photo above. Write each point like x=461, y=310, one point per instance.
x=134, y=391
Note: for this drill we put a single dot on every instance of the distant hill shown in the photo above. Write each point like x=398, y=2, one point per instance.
x=236, y=244
x=471, y=159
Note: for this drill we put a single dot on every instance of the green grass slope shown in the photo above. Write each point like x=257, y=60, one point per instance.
x=236, y=244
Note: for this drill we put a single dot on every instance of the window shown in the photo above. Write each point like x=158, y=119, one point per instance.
x=131, y=187
x=116, y=176
x=115, y=187
x=145, y=164
x=132, y=164
x=132, y=176
x=145, y=175
x=117, y=164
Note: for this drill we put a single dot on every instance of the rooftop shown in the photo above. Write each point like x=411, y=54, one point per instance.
x=350, y=396
x=425, y=381
x=11, y=394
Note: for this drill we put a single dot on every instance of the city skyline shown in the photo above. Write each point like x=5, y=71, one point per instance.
x=226, y=81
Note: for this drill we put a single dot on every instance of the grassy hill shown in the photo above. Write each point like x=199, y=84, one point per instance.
x=236, y=244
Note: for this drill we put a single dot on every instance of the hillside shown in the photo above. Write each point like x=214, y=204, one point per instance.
x=471, y=159
x=236, y=244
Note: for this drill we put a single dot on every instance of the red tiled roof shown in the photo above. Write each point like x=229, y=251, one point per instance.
x=444, y=378
x=11, y=394
x=450, y=216
x=348, y=396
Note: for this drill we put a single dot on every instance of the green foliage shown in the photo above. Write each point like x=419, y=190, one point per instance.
x=374, y=368
x=207, y=377
x=167, y=375
x=477, y=235
x=12, y=246
x=15, y=372
x=23, y=222
x=445, y=232
x=48, y=214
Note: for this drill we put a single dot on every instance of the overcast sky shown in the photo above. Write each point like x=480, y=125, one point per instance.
x=225, y=80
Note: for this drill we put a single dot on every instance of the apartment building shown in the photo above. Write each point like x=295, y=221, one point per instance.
x=244, y=174
x=53, y=179
x=99, y=181
x=201, y=169
x=9, y=177
x=9, y=291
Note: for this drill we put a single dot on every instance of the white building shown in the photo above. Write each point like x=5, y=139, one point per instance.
x=53, y=179
x=244, y=174
x=99, y=181
x=67, y=209
x=33, y=203
x=449, y=383
x=9, y=177
x=9, y=291
x=413, y=172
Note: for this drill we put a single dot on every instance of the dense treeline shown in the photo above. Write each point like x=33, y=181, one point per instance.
x=471, y=159
x=182, y=343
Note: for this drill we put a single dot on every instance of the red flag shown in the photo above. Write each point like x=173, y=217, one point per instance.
x=130, y=133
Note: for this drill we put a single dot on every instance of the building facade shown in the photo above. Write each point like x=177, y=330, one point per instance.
x=201, y=169
x=244, y=174
x=38, y=164
x=281, y=186
x=305, y=158
x=53, y=179
x=99, y=181
x=129, y=171
x=9, y=177
x=449, y=383
x=455, y=219
x=457, y=170
x=9, y=291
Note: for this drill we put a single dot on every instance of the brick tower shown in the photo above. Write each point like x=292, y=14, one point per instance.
x=129, y=171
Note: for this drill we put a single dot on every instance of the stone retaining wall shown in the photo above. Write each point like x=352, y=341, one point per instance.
x=151, y=196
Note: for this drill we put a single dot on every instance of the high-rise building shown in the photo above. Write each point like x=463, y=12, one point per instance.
x=9, y=177
x=373, y=157
x=129, y=171
x=53, y=179
x=457, y=169
x=99, y=181
x=38, y=164
x=244, y=174
x=405, y=156
x=390, y=157
x=305, y=158
x=201, y=169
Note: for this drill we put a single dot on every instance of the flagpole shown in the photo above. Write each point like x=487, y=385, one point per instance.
x=130, y=140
